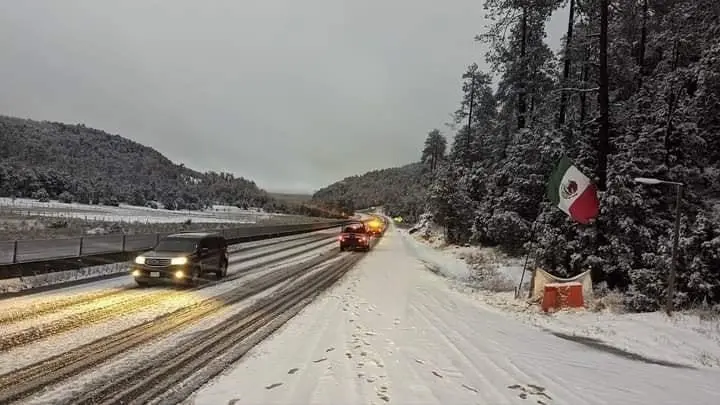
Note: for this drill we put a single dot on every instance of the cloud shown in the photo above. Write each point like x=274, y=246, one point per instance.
x=292, y=94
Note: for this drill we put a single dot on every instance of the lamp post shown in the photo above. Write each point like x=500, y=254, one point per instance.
x=676, y=237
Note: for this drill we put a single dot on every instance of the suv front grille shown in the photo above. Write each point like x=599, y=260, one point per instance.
x=157, y=262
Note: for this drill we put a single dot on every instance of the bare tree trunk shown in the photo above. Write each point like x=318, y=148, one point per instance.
x=583, y=95
x=603, y=99
x=671, y=105
x=643, y=40
x=469, y=124
x=566, y=68
x=522, y=105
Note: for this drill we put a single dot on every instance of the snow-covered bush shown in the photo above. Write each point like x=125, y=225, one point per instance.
x=485, y=274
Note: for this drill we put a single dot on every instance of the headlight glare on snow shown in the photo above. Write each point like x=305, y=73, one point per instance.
x=140, y=260
x=178, y=261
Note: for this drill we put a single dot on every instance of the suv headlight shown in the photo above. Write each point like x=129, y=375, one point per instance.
x=140, y=260
x=178, y=261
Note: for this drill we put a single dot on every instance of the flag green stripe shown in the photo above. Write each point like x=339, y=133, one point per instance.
x=553, y=186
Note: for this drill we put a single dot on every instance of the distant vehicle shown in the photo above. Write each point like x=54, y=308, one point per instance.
x=376, y=227
x=355, y=236
x=183, y=258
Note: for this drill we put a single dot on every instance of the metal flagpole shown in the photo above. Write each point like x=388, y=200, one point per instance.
x=527, y=254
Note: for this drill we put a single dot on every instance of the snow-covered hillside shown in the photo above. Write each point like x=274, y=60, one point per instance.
x=129, y=213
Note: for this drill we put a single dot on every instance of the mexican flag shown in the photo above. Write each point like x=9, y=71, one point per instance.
x=573, y=192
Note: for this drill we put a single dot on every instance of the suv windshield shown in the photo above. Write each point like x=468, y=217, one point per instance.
x=177, y=245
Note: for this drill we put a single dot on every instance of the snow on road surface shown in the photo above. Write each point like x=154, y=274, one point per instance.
x=168, y=300
x=683, y=338
x=28, y=283
x=393, y=332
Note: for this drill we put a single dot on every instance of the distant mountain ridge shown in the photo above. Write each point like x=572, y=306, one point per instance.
x=42, y=159
x=400, y=190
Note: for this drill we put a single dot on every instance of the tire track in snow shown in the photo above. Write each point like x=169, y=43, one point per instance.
x=125, y=305
x=507, y=366
x=35, y=377
x=451, y=339
x=488, y=390
x=22, y=356
x=129, y=302
x=25, y=312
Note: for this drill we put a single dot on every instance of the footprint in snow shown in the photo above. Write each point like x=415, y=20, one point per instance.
x=271, y=386
x=320, y=360
x=469, y=388
x=329, y=349
x=293, y=370
x=537, y=388
x=436, y=374
x=233, y=401
x=530, y=389
x=419, y=361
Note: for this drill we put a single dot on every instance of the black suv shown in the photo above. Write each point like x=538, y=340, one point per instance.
x=183, y=258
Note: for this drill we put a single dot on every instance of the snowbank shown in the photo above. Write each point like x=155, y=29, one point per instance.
x=684, y=338
x=477, y=267
x=435, y=260
x=12, y=285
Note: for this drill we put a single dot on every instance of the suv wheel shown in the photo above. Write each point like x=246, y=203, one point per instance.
x=195, y=276
x=222, y=273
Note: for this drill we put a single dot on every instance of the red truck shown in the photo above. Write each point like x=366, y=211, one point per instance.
x=355, y=237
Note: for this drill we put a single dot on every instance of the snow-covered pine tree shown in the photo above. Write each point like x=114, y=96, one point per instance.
x=459, y=186
x=433, y=152
x=514, y=185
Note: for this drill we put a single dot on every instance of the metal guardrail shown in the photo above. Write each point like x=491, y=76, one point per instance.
x=37, y=250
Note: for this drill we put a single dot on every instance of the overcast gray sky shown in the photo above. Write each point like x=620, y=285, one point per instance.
x=292, y=94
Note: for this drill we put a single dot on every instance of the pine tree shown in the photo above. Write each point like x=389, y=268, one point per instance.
x=434, y=151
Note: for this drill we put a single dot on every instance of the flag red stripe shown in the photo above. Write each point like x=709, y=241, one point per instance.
x=586, y=206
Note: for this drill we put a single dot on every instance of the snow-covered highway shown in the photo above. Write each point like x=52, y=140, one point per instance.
x=42, y=326
x=390, y=331
x=393, y=332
